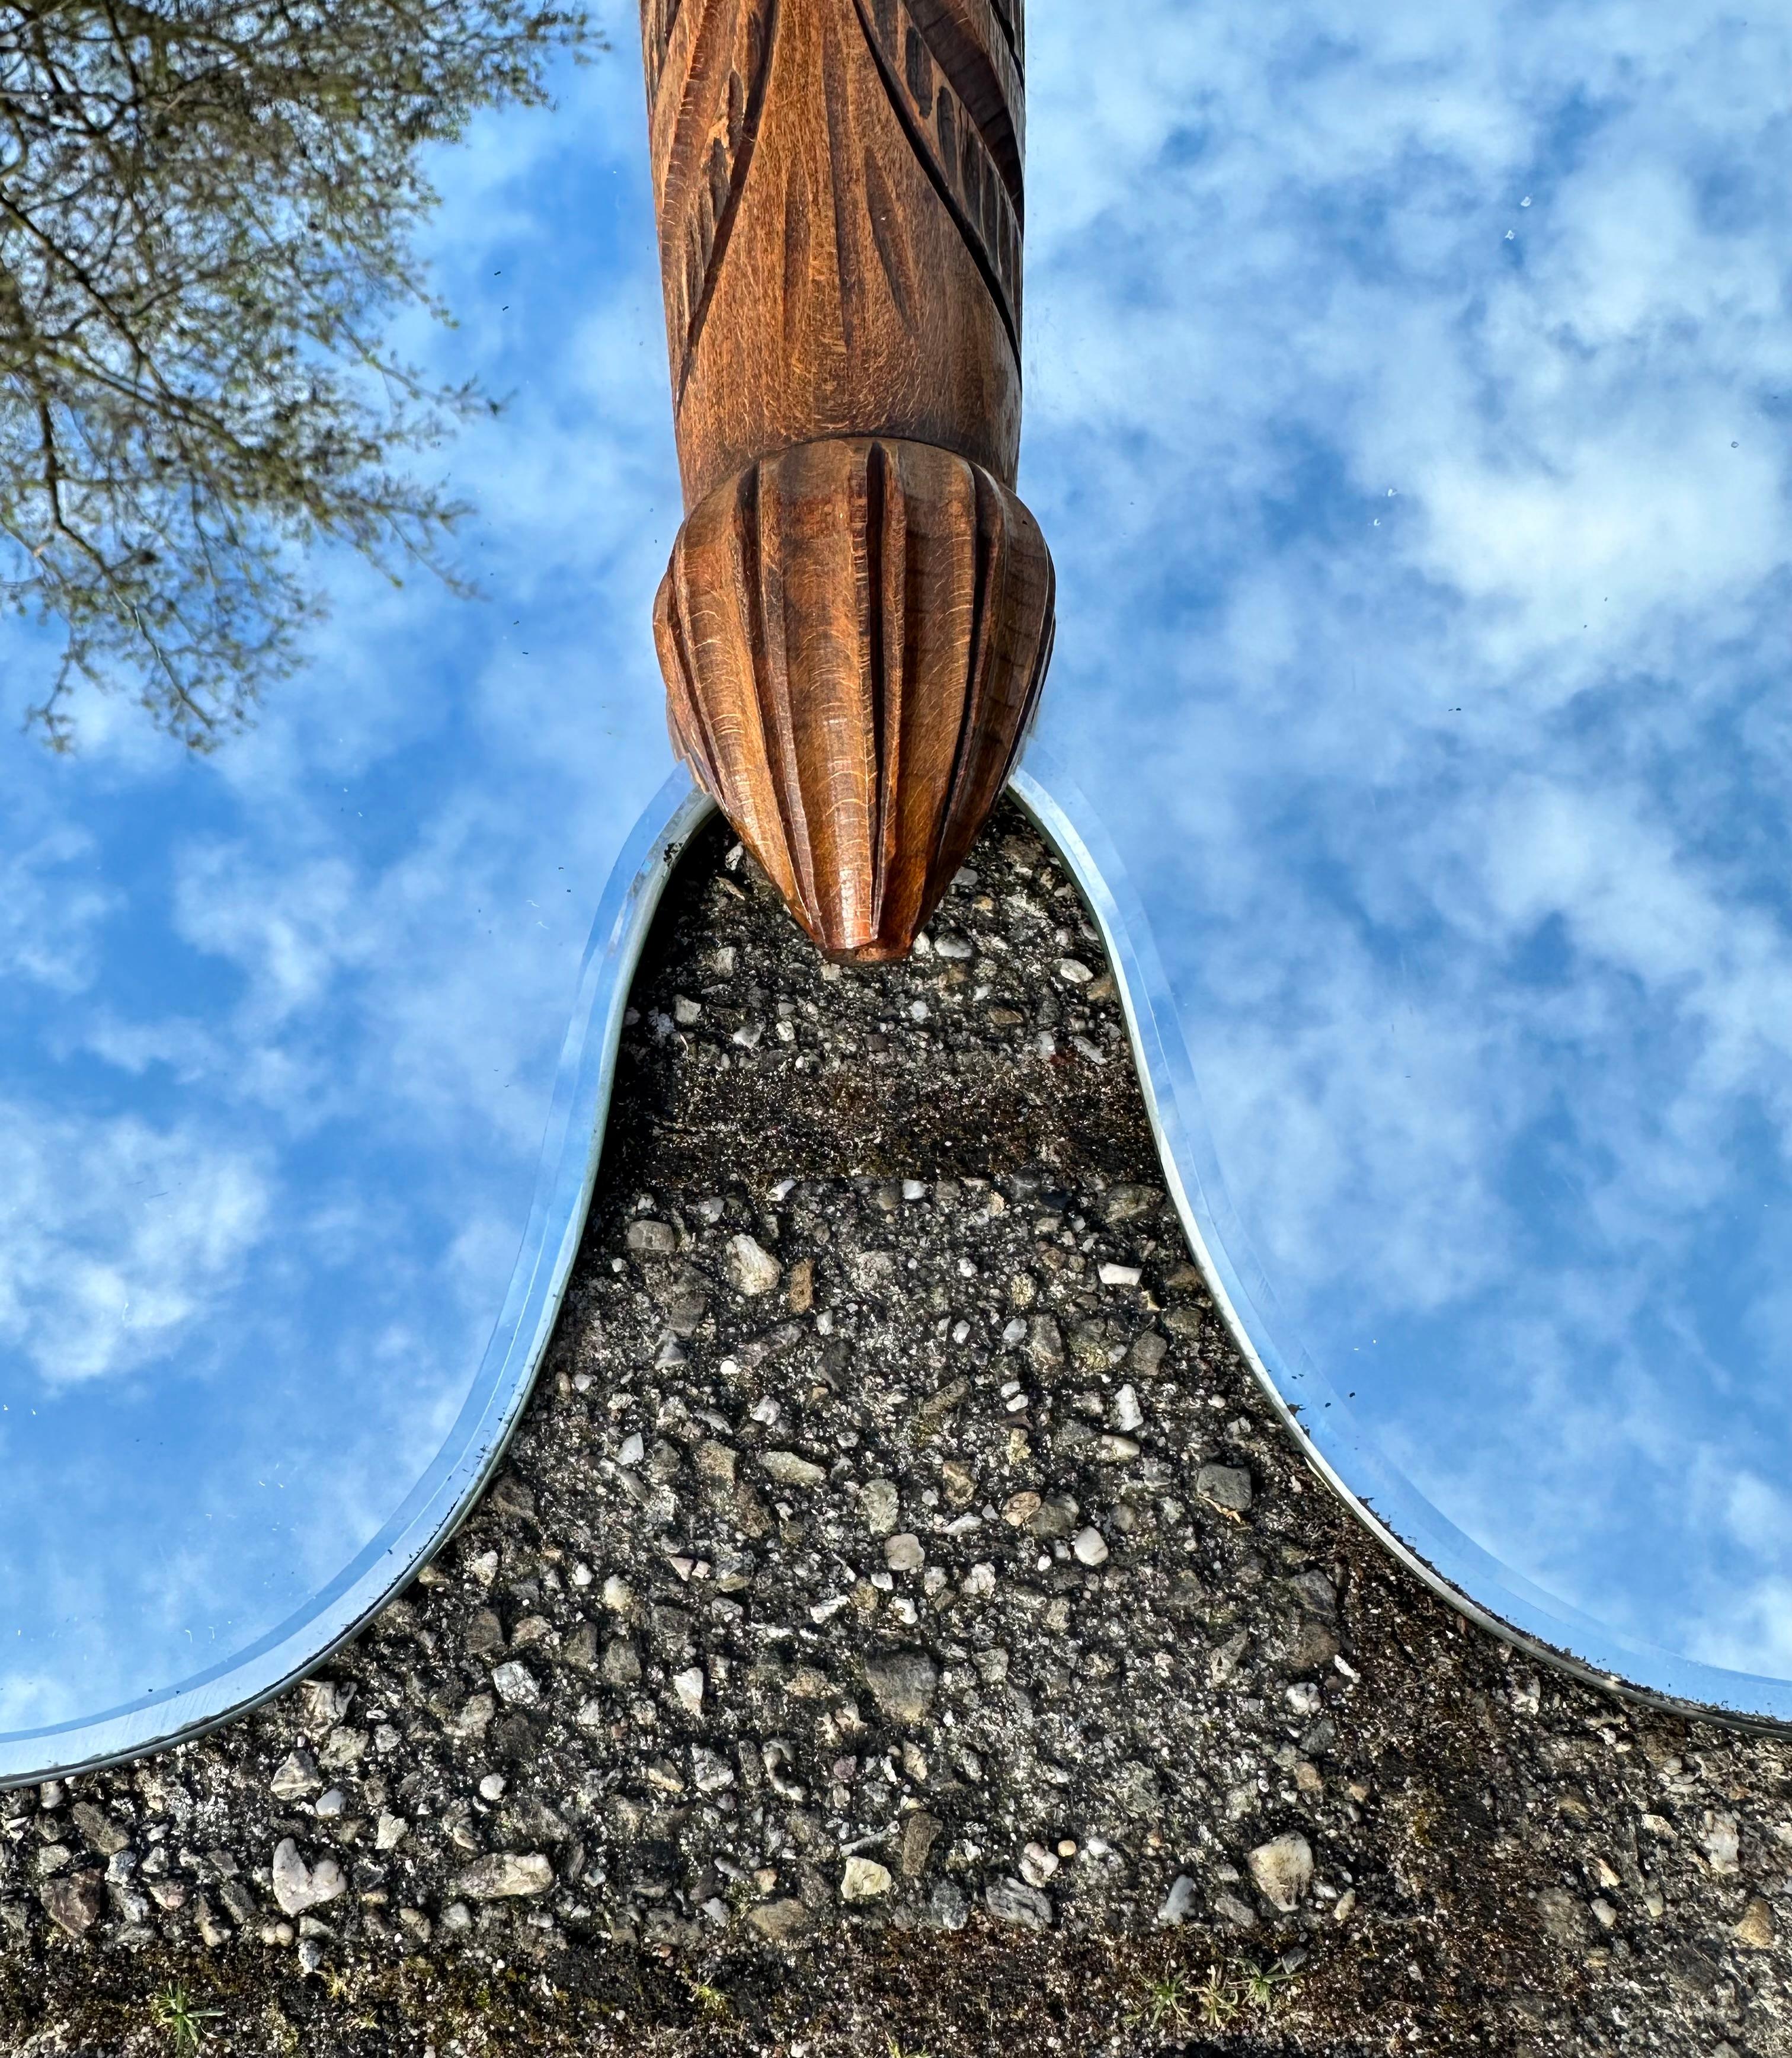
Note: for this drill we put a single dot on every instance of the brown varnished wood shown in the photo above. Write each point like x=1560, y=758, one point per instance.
x=856, y=616
x=854, y=633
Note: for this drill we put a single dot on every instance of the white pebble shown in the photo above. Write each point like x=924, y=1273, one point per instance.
x=750, y=1268
x=516, y=1684
x=879, y=1503
x=865, y=1880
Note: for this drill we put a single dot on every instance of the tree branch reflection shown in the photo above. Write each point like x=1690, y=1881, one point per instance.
x=206, y=215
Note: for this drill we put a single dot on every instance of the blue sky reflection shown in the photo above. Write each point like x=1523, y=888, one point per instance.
x=1407, y=398
x=1407, y=414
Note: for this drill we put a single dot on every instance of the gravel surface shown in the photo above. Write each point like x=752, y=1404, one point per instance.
x=902, y=1627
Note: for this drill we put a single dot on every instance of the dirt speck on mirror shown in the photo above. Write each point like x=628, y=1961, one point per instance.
x=902, y=1627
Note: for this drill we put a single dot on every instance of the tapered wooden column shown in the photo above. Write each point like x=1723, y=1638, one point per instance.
x=858, y=614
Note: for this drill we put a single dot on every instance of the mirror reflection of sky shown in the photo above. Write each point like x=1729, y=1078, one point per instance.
x=1407, y=409
x=278, y=1029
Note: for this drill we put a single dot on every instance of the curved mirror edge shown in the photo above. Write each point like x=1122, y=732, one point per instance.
x=474, y=1448
x=1314, y=1412
x=1322, y=1422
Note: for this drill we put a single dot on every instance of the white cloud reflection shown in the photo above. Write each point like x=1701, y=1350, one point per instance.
x=51, y=899
x=1406, y=403
x=1423, y=566
x=115, y=1237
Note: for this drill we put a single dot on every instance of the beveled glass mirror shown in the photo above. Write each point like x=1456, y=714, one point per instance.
x=1406, y=407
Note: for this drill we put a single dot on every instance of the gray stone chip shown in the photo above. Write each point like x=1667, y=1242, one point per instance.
x=505, y=1875
x=1225, y=1486
x=903, y=1683
x=1013, y=1902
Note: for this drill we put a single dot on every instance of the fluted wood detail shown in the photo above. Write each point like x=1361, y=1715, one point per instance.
x=858, y=612
x=853, y=633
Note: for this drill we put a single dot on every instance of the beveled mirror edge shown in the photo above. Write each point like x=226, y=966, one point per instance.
x=474, y=1448
x=1335, y=1446
x=1320, y=1420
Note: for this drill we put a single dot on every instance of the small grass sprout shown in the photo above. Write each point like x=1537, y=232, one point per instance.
x=1219, y=1999
x=1263, y=1983
x=710, y=2000
x=173, y=2011
x=1165, y=2004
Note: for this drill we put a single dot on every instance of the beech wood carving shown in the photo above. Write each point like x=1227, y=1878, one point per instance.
x=858, y=614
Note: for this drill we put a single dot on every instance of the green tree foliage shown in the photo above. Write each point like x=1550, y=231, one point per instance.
x=207, y=213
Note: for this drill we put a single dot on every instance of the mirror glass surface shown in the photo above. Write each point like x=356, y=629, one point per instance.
x=279, y=1024
x=1407, y=409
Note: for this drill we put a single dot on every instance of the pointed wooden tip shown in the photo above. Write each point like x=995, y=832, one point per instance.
x=853, y=633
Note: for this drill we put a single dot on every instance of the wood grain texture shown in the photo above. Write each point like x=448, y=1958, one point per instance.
x=853, y=633
x=856, y=618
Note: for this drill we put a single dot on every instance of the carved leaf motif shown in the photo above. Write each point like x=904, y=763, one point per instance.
x=954, y=79
x=708, y=63
x=796, y=256
x=853, y=633
x=889, y=235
